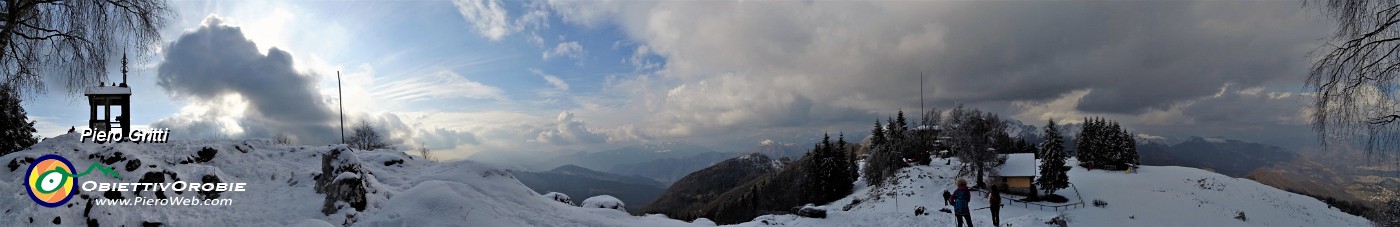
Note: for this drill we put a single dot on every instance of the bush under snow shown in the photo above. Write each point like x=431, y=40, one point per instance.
x=703, y=221
x=560, y=197
x=604, y=201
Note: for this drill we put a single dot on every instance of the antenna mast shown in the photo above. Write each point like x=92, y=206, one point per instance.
x=341, y=99
x=123, y=68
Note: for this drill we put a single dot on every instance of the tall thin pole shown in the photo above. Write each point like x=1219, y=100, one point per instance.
x=922, y=111
x=340, y=99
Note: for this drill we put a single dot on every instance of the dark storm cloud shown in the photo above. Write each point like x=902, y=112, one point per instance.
x=216, y=60
x=1250, y=108
x=743, y=66
x=1256, y=115
x=1136, y=56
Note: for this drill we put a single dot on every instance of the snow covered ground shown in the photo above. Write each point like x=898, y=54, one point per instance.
x=1154, y=196
x=406, y=191
x=403, y=191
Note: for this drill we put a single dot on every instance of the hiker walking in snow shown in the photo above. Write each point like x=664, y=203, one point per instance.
x=996, y=204
x=961, y=198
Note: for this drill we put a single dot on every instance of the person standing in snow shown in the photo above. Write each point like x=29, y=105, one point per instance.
x=996, y=204
x=961, y=198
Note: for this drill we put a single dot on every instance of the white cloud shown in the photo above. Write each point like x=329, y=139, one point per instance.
x=570, y=131
x=491, y=19
x=442, y=84
x=570, y=49
x=487, y=16
x=639, y=60
x=557, y=86
x=558, y=83
x=535, y=38
x=1061, y=109
x=1150, y=137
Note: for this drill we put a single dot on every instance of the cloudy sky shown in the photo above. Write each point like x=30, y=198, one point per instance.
x=467, y=76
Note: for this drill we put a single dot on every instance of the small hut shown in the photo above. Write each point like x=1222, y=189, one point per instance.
x=1018, y=173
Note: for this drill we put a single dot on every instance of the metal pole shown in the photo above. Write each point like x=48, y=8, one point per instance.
x=341, y=99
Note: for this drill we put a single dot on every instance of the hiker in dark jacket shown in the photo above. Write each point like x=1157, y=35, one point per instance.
x=961, y=198
x=996, y=204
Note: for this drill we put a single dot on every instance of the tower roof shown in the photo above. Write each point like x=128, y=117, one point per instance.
x=107, y=90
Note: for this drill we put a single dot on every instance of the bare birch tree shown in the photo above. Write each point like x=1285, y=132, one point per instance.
x=73, y=39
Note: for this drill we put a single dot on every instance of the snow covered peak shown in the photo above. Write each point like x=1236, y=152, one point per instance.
x=1214, y=140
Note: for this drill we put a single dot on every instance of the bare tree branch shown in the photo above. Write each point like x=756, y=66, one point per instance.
x=72, y=40
x=1384, y=119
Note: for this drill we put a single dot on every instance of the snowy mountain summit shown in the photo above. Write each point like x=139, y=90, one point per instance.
x=333, y=186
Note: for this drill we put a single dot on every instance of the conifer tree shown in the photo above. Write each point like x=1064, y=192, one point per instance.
x=812, y=185
x=852, y=165
x=1082, y=142
x=900, y=124
x=875, y=156
x=842, y=175
x=1114, y=144
x=1103, y=142
x=16, y=130
x=1053, y=171
x=1128, y=147
x=900, y=131
x=845, y=158
x=825, y=167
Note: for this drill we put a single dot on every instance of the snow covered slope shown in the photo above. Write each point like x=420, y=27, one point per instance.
x=281, y=179
x=1155, y=196
x=399, y=190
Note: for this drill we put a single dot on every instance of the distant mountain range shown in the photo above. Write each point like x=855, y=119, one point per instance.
x=596, y=160
x=607, y=160
x=581, y=183
x=700, y=191
x=1225, y=156
x=669, y=170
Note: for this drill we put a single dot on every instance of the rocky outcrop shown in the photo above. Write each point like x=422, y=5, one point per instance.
x=341, y=181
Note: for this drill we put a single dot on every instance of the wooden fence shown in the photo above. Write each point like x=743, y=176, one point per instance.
x=1068, y=206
